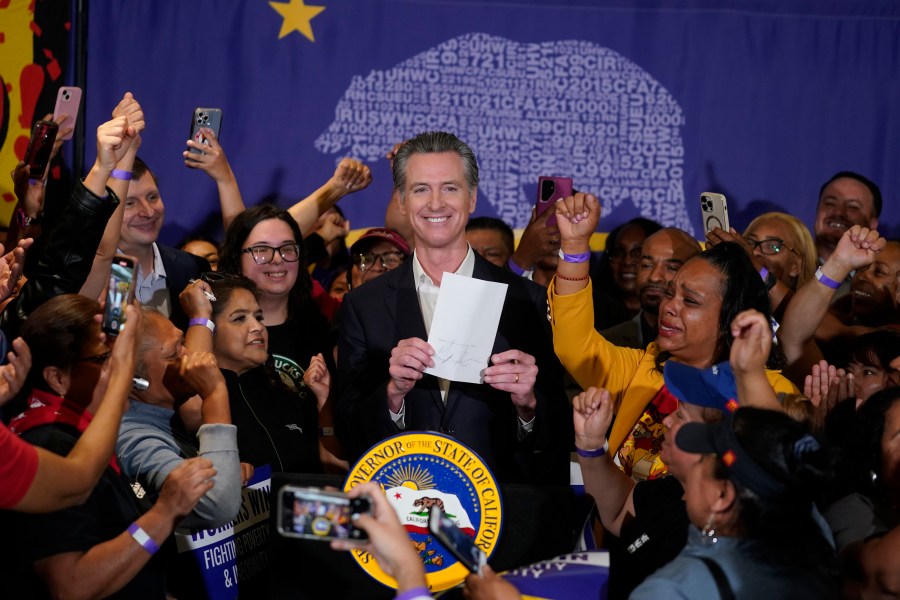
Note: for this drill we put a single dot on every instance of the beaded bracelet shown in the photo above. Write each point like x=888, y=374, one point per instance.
x=585, y=277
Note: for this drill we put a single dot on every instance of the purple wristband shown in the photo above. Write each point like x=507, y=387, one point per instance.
x=122, y=174
x=826, y=280
x=593, y=453
x=413, y=593
x=143, y=538
x=764, y=272
x=575, y=258
x=514, y=267
x=204, y=322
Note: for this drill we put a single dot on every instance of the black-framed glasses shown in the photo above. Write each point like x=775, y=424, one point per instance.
x=389, y=260
x=619, y=254
x=770, y=246
x=263, y=254
x=96, y=359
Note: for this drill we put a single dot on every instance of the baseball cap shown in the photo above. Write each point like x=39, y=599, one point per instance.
x=712, y=388
x=720, y=439
x=376, y=234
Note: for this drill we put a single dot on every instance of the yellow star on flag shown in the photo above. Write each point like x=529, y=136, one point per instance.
x=297, y=16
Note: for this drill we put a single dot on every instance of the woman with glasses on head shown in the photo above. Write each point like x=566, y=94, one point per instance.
x=264, y=244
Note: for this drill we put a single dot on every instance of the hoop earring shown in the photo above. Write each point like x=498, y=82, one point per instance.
x=708, y=533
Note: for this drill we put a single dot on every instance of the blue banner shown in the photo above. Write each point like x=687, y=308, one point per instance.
x=646, y=104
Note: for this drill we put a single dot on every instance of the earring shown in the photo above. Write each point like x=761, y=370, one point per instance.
x=708, y=534
x=873, y=476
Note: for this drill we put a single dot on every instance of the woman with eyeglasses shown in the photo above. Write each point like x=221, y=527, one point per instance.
x=783, y=244
x=264, y=245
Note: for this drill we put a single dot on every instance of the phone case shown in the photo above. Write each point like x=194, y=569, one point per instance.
x=68, y=101
x=714, y=211
x=118, y=294
x=37, y=155
x=551, y=189
x=459, y=544
x=205, y=117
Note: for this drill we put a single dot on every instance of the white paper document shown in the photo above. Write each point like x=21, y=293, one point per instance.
x=464, y=327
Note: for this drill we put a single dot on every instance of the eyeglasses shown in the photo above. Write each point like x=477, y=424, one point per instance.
x=619, y=254
x=770, y=246
x=389, y=260
x=263, y=254
x=97, y=359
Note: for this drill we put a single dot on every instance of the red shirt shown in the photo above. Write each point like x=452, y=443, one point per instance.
x=18, y=467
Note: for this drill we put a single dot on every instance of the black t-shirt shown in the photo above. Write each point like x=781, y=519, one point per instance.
x=293, y=344
x=106, y=514
x=655, y=535
x=274, y=426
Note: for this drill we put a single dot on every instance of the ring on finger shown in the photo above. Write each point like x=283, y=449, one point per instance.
x=517, y=378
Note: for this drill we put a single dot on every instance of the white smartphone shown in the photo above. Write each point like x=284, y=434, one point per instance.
x=714, y=210
x=68, y=100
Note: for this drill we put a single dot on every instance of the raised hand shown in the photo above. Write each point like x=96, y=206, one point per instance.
x=752, y=342
x=592, y=412
x=577, y=218
x=351, y=175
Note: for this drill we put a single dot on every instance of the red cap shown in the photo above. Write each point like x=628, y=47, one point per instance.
x=370, y=237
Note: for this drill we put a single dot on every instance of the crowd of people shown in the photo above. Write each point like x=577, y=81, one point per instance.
x=732, y=404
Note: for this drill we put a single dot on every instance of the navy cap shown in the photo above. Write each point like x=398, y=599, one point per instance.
x=712, y=388
x=720, y=439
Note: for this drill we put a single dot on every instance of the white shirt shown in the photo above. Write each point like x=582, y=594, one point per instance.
x=150, y=289
x=428, y=292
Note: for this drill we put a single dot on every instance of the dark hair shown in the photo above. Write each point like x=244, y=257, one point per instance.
x=140, y=167
x=237, y=234
x=223, y=288
x=434, y=142
x=860, y=466
x=742, y=289
x=876, y=348
x=804, y=469
x=873, y=189
x=56, y=333
x=493, y=224
x=602, y=274
x=196, y=237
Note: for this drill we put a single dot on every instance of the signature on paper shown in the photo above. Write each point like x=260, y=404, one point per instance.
x=451, y=352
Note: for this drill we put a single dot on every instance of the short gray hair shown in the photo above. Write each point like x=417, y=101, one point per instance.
x=434, y=142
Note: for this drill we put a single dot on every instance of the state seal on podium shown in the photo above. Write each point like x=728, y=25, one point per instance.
x=417, y=471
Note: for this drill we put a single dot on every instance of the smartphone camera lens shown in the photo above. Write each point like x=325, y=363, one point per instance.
x=66, y=95
x=205, y=118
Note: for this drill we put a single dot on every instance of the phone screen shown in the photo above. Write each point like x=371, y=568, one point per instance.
x=319, y=515
x=118, y=294
x=458, y=543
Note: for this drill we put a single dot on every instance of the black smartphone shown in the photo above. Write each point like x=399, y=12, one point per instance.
x=453, y=539
x=551, y=189
x=118, y=294
x=39, y=147
x=205, y=117
x=315, y=514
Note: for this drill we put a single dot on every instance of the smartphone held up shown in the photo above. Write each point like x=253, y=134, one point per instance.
x=551, y=189
x=714, y=210
x=119, y=293
x=40, y=146
x=315, y=514
x=205, y=117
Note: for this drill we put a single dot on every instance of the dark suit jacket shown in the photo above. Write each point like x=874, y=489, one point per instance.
x=180, y=268
x=376, y=316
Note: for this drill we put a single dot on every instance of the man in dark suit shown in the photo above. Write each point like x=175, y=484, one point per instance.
x=162, y=272
x=519, y=419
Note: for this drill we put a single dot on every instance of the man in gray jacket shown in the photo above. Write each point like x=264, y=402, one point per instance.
x=153, y=440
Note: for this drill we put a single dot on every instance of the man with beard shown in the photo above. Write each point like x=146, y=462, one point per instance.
x=662, y=254
x=845, y=200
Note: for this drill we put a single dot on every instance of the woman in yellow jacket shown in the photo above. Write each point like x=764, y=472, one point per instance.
x=695, y=320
